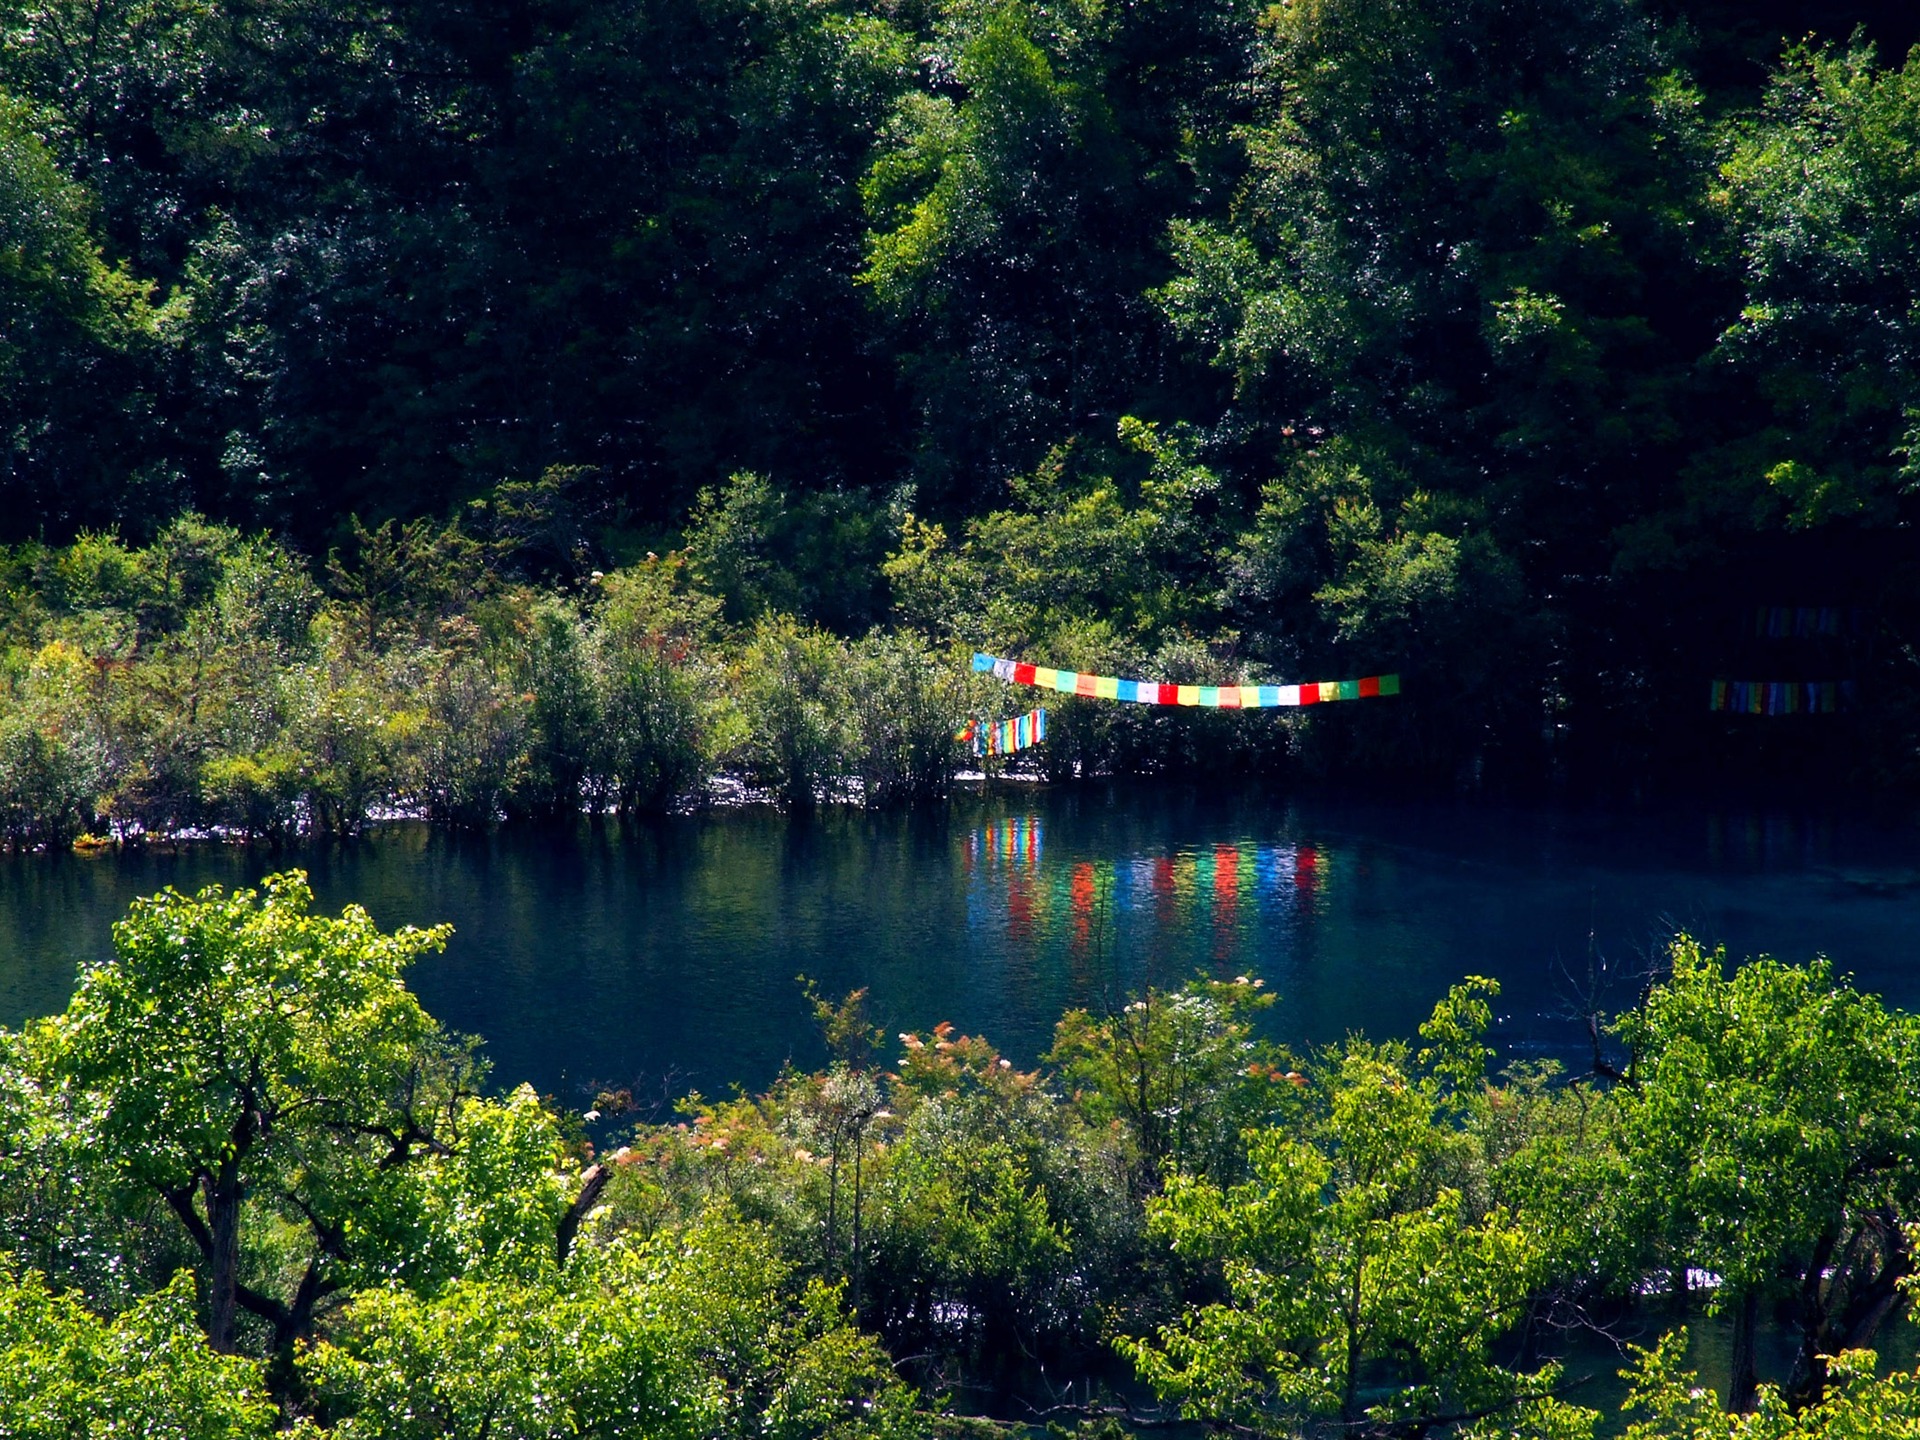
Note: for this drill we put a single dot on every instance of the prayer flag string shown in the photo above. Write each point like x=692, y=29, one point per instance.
x=1147, y=692
x=1779, y=697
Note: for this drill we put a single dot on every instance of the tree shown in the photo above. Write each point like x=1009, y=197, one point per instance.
x=265, y=1074
x=242, y=1058
x=1456, y=293
x=1357, y=1241
x=979, y=1241
x=1007, y=242
x=74, y=331
x=66, y=1372
x=1770, y=1129
x=1673, y=1405
x=1818, y=191
x=702, y=1333
x=1181, y=1070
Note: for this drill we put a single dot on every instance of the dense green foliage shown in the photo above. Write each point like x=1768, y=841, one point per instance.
x=206, y=680
x=1204, y=340
x=247, y=1182
x=250, y=1089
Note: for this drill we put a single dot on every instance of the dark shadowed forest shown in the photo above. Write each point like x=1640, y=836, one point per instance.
x=387, y=380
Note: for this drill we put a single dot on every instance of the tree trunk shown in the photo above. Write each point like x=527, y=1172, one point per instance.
x=592, y=1181
x=1869, y=1305
x=1807, y=1382
x=1350, y=1390
x=1743, y=1382
x=833, y=1199
x=1849, y=1310
x=223, y=1256
x=859, y=1151
x=1807, y=1385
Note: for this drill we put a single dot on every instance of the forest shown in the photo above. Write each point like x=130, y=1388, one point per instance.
x=508, y=411
x=397, y=398
x=251, y=1187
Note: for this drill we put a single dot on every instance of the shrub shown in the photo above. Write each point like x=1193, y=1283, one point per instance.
x=258, y=794
x=650, y=746
x=659, y=730
x=49, y=782
x=905, y=702
x=564, y=715
x=467, y=754
x=792, y=689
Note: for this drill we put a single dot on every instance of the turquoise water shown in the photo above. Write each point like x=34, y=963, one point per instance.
x=664, y=957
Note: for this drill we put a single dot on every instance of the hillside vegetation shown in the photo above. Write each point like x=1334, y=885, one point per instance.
x=1538, y=351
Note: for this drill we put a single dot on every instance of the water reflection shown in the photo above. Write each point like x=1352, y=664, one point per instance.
x=664, y=956
x=1145, y=916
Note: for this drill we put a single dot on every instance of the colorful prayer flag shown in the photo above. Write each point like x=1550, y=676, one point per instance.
x=1778, y=697
x=1149, y=692
x=1006, y=736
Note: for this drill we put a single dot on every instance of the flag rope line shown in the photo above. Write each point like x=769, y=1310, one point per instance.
x=1780, y=697
x=1148, y=692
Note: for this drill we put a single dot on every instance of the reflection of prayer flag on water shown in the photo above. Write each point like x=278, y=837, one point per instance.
x=1778, y=697
x=1150, y=692
x=1803, y=622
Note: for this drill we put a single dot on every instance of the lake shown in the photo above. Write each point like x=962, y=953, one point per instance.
x=663, y=957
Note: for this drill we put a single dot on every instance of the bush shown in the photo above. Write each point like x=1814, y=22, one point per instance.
x=54, y=762
x=905, y=703
x=792, y=688
x=147, y=1372
x=649, y=749
x=258, y=794
x=48, y=783
x=565, y=713
x=467, y=753
x=341, y=719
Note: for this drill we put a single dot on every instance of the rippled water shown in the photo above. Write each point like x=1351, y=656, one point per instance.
x=665, y=956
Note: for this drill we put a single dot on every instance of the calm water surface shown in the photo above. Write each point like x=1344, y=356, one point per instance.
x=664, y=957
